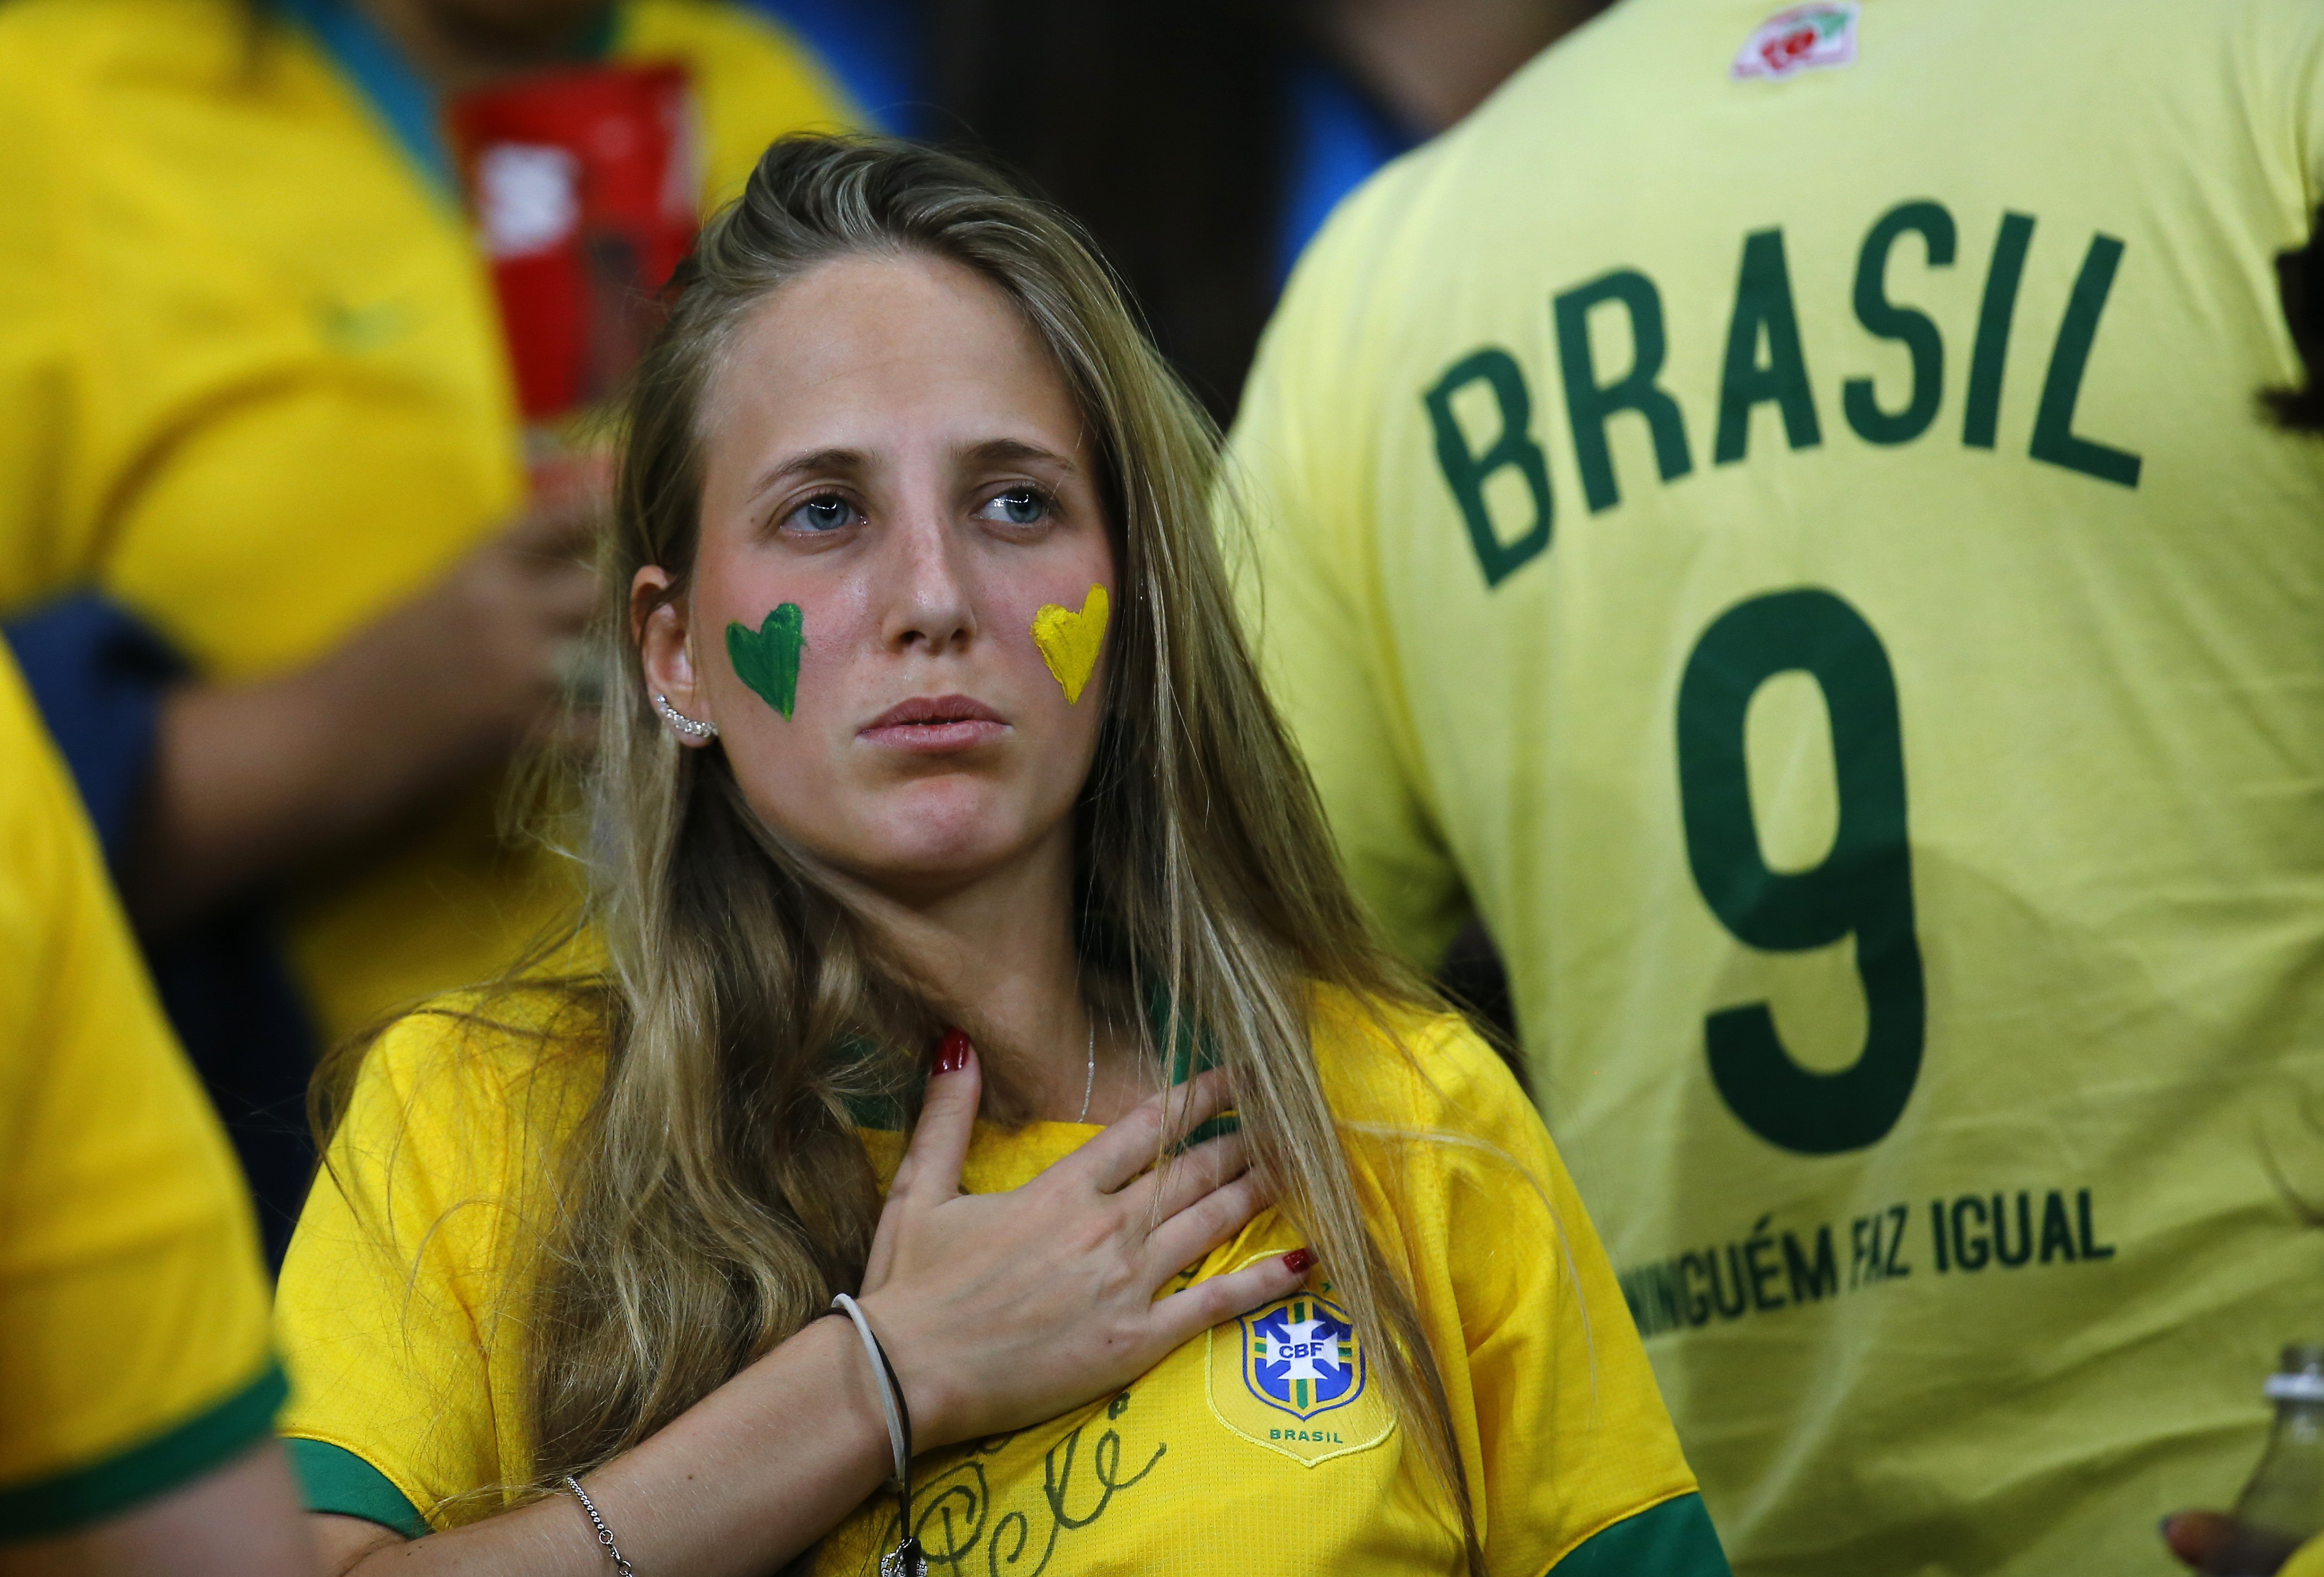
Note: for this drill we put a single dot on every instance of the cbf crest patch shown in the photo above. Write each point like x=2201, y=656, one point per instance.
x=1800, y=39
x=1293, y=1377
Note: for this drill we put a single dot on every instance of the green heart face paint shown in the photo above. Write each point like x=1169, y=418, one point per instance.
x=767, y=659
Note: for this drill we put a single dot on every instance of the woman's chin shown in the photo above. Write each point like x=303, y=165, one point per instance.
x=934, y=852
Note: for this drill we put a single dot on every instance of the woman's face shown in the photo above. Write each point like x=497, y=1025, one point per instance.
x=897, y=483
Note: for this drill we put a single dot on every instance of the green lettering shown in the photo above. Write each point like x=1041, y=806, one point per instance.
x=1969, y=1252
x=1864, y=886
x=2057, y=1237
x=1990, y=357
x=1466, y=470
x=2001, y=1230
x=2091, y=1248
x=1764, y=311
x=1589, y=403
x=1813, y=1277
x=1886, y=320
x=2054, y=439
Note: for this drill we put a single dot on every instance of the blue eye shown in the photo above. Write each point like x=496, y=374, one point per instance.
x=823, y=512
x=1020, y=506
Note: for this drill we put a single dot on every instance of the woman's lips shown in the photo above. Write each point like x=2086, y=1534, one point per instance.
x=933, y=725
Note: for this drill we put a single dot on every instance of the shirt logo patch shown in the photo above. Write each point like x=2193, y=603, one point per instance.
x=1799, y=40
x=1291, y=1377
x=1302, y=1357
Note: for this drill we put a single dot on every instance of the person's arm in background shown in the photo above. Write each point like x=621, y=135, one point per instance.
x=246, y=779
x=239, y=1520
x=1306, y=576
x=201, y=789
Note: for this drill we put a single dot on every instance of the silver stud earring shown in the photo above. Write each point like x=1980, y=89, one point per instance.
x=683, y=724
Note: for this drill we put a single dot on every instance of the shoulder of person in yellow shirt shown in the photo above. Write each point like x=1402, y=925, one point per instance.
x=1297, y=520
x=133, y=1342
x=1324, y=437
x=199, y=191
x=401, y=1309
x=253, y=393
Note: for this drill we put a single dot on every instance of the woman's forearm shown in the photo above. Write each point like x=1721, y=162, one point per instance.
x=747, y=1478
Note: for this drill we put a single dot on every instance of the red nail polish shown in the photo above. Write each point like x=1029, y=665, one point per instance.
x=1299, y=1262
x=954, y=1056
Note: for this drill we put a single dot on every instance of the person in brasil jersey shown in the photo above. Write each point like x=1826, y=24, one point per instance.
x=928, y=708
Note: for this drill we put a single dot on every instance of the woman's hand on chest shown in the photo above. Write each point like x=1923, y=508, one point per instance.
x=1001, y=1310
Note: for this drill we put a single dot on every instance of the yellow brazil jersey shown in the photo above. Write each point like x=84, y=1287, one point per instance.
x=133, y=1343
x=1260, y=1445
x=252, y=385
x=1773, y=515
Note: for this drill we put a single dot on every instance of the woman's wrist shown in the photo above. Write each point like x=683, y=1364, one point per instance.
x=857, y=1430
x=925, y=1386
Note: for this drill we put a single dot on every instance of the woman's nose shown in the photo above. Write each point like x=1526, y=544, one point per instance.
x=929, y=595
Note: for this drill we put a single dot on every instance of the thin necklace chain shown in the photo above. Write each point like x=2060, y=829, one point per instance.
x=1089, y=1081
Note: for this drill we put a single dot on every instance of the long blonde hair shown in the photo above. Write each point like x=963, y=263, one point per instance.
x=716, y=1196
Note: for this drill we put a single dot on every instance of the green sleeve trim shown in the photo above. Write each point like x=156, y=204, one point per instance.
x=104, y=1490
x=1673, y=1539
x=333, y=1478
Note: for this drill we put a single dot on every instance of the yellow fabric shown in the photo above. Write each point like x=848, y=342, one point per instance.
x=252, y=385
x=131, y=1301
x=2306, y=1562
x=2102, y=633
x=406, y=1345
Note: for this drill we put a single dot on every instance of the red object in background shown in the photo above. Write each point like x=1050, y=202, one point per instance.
x=584, y=186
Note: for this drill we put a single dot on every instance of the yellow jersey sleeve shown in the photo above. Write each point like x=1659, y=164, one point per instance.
x=402, y=1301
x=39, y=395
x=1573, y=1463
x=1294, y=518
x=133, y=1349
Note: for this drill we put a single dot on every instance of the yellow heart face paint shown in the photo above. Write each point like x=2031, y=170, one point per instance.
x=1070, y=642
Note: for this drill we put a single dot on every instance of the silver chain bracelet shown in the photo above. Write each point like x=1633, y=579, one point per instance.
x=605, y=1534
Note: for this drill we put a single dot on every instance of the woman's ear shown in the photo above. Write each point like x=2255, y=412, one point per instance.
x=660, y=623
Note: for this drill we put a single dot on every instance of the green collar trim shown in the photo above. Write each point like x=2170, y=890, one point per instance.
x=1673, y=1539
x=333, y=1478
x=102, y=1489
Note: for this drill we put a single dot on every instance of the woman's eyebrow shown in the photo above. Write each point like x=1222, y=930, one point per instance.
x=815, y=462
x=1014, y=450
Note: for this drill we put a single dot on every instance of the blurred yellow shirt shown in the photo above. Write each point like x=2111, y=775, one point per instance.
x=134, y=1352
x=402, y=1304
x=2308, y=1561
x=252, y=386
x=1775, y=517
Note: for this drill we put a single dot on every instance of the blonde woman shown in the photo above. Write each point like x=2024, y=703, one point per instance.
x=952, y=858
